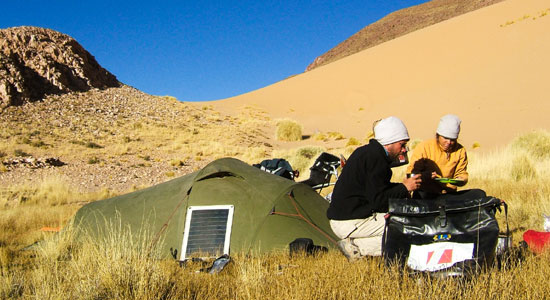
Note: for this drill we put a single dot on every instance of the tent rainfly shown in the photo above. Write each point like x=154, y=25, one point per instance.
x=228, y=206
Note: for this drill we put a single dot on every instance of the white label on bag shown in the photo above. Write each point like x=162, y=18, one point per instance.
x=437, y=256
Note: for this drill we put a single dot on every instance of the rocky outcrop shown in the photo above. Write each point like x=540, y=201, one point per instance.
x=398, y=24
x=35, y=62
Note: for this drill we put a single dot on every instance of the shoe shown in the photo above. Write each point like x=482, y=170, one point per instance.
x=350, y=251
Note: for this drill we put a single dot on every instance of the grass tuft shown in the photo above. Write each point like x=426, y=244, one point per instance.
x=537, y=143
x=93, y=145
x=353, y=142
x=523, y=169
x=20, y=153
x=289, y=130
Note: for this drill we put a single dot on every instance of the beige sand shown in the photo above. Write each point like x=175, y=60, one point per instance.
x=491, y=72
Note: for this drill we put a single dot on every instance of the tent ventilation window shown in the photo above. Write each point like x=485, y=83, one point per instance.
x=220, y=174
x=207, y=231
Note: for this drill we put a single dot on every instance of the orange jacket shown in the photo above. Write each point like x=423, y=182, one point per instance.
x=429, y=157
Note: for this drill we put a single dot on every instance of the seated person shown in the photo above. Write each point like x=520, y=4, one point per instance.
x=360, y=196
x=442, y=157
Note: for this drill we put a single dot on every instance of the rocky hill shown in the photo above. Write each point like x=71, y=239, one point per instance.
x=35, y=62
x=65, y=118
x=398, y=24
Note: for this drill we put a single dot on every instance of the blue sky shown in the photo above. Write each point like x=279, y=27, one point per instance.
x=202, y=50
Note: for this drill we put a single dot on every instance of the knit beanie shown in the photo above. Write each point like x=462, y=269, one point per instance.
x=390, y=130
x=449, y=126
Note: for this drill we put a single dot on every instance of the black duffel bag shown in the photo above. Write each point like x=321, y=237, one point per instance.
x=436, y=235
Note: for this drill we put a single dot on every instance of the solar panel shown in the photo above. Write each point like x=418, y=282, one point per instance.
x=207, y=231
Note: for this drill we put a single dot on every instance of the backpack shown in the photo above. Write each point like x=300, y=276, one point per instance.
x=277, y=166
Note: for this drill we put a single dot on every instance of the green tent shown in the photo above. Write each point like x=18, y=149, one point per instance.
x=227, y=206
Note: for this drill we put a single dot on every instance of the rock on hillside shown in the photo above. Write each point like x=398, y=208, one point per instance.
x=398, y=24
x=35, y=62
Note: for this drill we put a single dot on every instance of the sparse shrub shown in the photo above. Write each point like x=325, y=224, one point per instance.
x=303, y=157
x=93, y=160
x=254, y=154
x=523, y=169
x=25, y=140
x=38, y=144
x=309, y=151
x=170, y=98
x=3, y=168
x=126, y=139
x=289, y=130
x=170, y=174
x=93, y=145
x=146, y=157
x=319, y=137
x=77, y=142
x=20, y=153
x=336, y=135
x=2, y=154
x=476, y=145
x=177, y=163
x=536, y=143
x=353, y=142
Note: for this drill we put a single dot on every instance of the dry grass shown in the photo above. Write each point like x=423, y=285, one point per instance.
x=110, y=269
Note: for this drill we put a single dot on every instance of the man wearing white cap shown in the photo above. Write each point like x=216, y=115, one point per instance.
x=442, y=157
x=360, y=197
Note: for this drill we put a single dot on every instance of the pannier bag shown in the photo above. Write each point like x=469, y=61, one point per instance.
x=278, y=166
x=435, y=235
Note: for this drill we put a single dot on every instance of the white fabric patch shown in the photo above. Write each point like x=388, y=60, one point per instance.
x=437, y=256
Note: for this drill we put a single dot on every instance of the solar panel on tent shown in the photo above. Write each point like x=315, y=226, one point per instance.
x=207, y=231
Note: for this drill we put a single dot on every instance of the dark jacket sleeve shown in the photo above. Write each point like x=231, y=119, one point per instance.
x=379, y=187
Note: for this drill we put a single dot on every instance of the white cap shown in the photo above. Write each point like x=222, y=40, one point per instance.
x=390, y=130
x=449, y=126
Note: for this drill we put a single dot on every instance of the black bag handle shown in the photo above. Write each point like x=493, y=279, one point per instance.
x=506, y=217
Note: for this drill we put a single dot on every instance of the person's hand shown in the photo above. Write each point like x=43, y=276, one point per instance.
x=413, y=183
x=434, y=175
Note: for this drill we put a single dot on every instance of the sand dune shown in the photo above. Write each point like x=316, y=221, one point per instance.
x=490, y=66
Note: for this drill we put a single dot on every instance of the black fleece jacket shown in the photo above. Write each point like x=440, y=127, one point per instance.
x=364, y=186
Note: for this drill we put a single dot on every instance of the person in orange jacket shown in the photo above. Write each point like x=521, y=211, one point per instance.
x=443, y=163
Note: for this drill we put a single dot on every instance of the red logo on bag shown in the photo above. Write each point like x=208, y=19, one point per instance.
x=445, y=258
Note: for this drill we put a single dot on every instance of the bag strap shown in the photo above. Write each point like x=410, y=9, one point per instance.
x=442, y=213
x=384, y=238
x=506, y=218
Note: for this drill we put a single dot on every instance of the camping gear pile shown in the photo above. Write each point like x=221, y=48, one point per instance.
x=321, y=172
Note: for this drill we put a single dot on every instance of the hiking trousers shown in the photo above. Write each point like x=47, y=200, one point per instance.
x=366, y=233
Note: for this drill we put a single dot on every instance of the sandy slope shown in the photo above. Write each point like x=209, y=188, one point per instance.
x=493, y=74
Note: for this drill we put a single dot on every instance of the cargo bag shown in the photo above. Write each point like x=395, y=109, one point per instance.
x=438, y=235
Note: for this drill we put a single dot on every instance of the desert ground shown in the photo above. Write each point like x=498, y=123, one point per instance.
x=489, y=67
